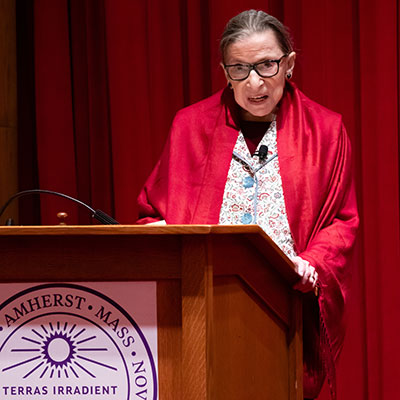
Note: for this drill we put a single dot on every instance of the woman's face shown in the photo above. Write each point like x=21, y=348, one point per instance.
x=257, y=96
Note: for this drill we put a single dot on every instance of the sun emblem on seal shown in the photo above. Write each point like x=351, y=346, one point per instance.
x=62, y=351
x=59, y=349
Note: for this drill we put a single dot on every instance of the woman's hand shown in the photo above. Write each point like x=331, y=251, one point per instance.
x=308, y=274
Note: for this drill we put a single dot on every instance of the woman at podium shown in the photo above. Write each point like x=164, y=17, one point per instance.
x=260, y=152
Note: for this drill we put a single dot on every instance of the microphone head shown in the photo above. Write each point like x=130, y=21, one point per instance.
x=263, y=151
x=104, y=218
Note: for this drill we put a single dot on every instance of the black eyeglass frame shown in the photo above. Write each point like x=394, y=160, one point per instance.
x=254, y=66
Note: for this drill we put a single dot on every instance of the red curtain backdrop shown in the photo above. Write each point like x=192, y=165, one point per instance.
x=110, y=75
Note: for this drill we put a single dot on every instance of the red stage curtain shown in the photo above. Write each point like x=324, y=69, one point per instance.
x=110, y=74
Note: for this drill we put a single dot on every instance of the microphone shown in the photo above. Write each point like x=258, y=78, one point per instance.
x=262, y=152
x=97, y=214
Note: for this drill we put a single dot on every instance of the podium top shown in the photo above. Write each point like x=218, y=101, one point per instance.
x=253, y=233
x=131, y=230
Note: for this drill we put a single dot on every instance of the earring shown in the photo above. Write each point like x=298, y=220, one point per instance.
x=229, y=85
x=289, y=75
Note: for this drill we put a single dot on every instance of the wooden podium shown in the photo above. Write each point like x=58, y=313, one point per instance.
x=229, y=324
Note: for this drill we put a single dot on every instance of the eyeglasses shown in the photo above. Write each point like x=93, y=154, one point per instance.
x=265, y=69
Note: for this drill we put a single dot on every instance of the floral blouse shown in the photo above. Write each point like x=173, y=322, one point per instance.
x=253, y=192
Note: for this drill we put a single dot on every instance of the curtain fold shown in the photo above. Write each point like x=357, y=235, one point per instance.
x=379, y=174
x=145, y=90
x=92, y=133
x=110, y=75
x=54, y=114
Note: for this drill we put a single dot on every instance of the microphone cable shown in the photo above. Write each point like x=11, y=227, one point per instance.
x=99, y=215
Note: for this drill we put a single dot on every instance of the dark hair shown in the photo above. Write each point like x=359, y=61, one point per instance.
x=251, y=21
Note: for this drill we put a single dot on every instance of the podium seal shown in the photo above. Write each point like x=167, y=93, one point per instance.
x=67, y=341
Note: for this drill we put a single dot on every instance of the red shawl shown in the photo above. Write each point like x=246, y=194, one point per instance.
x=187, y=186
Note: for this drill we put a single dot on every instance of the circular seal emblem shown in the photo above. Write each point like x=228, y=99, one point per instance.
x=67, y=341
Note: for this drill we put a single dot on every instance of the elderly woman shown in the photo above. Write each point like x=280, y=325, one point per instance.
x=261, y=152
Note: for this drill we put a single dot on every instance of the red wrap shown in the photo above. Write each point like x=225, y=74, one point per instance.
x=187, y=187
